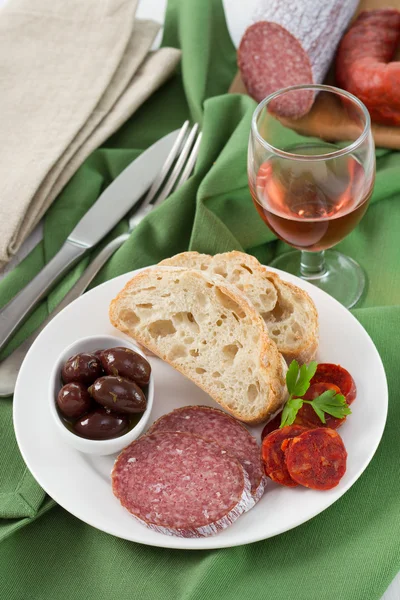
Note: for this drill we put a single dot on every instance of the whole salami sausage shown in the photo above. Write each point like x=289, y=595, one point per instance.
x=316, y=459
x=216, y=425
x=181, y=484
x=273, y=456
x=291, y=43
x=363, y=64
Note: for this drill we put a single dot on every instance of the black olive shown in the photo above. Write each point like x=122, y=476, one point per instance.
x=83, y=368
x=118, y=394
x=74, y=400
x=101, y=424
x=126, y=363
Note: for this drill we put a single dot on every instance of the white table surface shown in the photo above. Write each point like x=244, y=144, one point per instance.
x=155, y=9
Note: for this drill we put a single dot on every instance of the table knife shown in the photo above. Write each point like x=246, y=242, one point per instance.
x=119, y=197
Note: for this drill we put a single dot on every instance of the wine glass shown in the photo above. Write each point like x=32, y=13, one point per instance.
x=311, y=180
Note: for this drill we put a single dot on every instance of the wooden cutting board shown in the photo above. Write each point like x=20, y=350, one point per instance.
x=324, y=118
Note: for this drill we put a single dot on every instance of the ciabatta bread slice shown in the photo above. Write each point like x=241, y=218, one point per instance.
x=289, y=313
x=210, y=332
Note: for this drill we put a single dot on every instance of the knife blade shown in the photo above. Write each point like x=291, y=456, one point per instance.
x=118, y=198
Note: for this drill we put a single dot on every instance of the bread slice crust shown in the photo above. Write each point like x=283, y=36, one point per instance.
x=171, y=311
x=288, y=311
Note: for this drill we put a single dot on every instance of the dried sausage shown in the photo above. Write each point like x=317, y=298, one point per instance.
x=329, y=373
x=363, y=64
x=316, y=459
x=288, y=44
x=306, y=416
x=273, y=456
x=216, y=425
x=181, y=484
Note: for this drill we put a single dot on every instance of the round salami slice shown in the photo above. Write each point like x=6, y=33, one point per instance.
x=274, y=457
x=181, y=484
x=213, y=424
x=329, y=373
x=316, y=458
x=262, y=60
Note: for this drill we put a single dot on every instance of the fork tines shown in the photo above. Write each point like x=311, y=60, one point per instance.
x=180, y=162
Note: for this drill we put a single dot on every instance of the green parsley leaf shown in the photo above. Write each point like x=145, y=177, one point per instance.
x=303, y=382
x=298, y=381
x=290, y=410
x=319, y=412
x=331, y=403
x=292, y=375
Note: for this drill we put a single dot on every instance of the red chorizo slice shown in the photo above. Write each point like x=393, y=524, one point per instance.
x=271, y=426
x=329, y=373
x=316, y=459
x=181, y=484
x=306, y=416
x=216, y=425
x=273, y=456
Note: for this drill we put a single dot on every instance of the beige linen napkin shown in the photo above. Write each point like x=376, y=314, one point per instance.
x=71, y=73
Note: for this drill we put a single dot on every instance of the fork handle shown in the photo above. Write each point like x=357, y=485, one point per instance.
x=9, y=367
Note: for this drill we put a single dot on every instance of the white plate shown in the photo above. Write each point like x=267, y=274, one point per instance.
x=81, y=483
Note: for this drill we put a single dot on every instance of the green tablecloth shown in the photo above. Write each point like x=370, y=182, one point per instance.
x=352, y=550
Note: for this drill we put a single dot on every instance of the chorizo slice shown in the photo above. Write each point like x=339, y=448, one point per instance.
x=273, y=456
x=330, y=373
x=316, y=458
x=306, y=416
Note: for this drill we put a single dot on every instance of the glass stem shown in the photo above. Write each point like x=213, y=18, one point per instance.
x=312, y=264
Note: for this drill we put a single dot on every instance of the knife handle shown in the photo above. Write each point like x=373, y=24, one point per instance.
x=13, y=313
x=10, y=366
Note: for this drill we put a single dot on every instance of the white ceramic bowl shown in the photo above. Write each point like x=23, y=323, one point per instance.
x=100, y=447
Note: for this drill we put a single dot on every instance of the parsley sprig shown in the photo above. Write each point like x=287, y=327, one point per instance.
x=298, y=381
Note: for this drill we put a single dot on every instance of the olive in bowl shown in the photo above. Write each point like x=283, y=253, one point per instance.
x=99, y=419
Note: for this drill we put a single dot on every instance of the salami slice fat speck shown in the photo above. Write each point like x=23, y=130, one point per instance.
x=217, y=426
x=181, y=484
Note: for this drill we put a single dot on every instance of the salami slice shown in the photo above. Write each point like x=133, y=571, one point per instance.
x=291, y=43
x=363, y=64
x=329, y=373
x=273, y=456
x=316, y=459
x=181, y=484
x=215, y=425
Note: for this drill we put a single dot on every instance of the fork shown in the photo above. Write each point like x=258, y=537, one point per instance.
x=184, y=152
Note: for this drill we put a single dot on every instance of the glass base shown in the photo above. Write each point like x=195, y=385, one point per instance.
x=341, y=276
